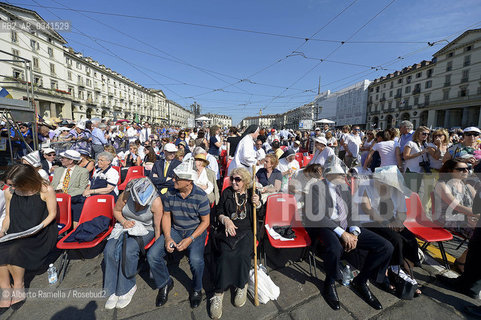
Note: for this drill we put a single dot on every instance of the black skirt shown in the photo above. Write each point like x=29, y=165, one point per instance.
x=233, y=265
x=30, y=252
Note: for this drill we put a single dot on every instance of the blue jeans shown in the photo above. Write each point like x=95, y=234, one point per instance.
x=115, y=280
x=157, y=263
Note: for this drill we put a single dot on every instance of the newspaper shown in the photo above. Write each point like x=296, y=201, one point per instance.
x=22, y=234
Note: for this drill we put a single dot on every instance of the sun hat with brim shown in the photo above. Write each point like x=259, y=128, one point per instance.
x=71, y=154
x=472, y=129
x=84, y=152
x=48, y=150
x=321, y=140
x=297, y=142
x=141, y=190
x=170, y=147
x=203, y=158
x=33, y=158
x=334, y=165
x=186, y=170
x=391, y=176
x=287, y=153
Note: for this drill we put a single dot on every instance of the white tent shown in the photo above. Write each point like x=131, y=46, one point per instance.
x=202, y=119
x=325, y=121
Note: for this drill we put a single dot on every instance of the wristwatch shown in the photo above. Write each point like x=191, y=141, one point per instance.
x=192, y=238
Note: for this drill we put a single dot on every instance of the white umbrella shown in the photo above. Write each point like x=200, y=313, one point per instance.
x=325, y=121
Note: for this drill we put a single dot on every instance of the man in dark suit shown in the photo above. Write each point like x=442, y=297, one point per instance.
x=329, y=218
x=163, y=170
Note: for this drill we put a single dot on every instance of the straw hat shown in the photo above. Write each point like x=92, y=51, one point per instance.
x=203, y=158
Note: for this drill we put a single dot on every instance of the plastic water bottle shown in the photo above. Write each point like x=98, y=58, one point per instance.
x=52, y=274
x=346, y=275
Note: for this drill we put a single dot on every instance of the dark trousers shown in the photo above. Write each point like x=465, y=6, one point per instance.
x=471, y=277
x=379, y=252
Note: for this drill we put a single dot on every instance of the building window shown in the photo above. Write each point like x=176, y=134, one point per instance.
x=392, y=85
x=52, y=69
x=447, y=80
x=399, y=81
x=70, y=89
x=17, y=74
x=467, y=61
x=79, y=66
x=428, y=84
x=449, y=66
x=429, y=73
x=53, y=84
x=463, y=91
x=408, y=79
x=468, y=48
x=419, y=75
x=416, y=100
x=407, y=89
x=445, y=94
x=390, y=94
x=37, y=80
x=427, y=97
x=450, y=55
x=377, y=96
x=14, y=36
x=35, y=62
x=50, y=52
x=69, y=75
x=34, y=45
x=15, y=53
x=465, y=77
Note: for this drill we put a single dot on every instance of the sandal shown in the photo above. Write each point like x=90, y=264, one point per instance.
x=458, y=265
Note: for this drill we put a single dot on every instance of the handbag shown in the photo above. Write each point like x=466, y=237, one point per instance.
x=405, y=289
x=232, y=242
x=266, y=288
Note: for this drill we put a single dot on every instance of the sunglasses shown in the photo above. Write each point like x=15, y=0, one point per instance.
x=236, y=179
x=469, y=134
x=465, y=169
x=424, y=133
x=438, y=135
x=50, y=155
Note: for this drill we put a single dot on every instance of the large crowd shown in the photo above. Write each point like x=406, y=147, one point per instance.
x=350, y=188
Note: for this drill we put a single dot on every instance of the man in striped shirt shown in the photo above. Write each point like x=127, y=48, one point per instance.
x=184, y=224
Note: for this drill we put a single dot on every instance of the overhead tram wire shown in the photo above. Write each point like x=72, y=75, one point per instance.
x=337, y=48
x=209, y=25
x=120, y=58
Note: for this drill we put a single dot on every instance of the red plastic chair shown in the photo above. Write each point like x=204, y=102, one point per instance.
x=94, y=206
x=64, y=212
x=226, y=183
x=300, y=159
x=426, y=230
x=133, y=173
x=281, y=210
x=307, y=159
x=118, y=170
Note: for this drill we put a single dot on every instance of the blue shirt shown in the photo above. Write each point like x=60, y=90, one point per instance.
x=186, y=212
x=405, y=138
x=98, y=137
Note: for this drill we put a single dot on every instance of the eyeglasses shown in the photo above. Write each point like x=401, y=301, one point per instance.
x=424, y=133
x=236, y=179
x=438, y=135
x=464, y=169
x=470, y=134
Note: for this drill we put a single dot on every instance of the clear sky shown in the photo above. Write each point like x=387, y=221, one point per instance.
x=237, y=73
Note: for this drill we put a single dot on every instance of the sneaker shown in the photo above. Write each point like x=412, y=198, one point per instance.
x=126, y=298
x=240, y=296
x=216, y=306
x=111, y=302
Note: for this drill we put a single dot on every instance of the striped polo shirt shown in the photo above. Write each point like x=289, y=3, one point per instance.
x=186, y=212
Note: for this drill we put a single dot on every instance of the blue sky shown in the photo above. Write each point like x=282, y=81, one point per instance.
x=219, y=69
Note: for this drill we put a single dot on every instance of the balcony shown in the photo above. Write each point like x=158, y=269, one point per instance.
x=375, y=112
x=447, y=84
x=398, y=96
x=80, y=83
x=416, y=91
x=382, y=99
x=97, y=88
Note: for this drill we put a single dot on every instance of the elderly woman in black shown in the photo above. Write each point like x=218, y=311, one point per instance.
x=236, y=239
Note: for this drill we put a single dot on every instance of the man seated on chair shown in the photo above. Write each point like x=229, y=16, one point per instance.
x=163, y=170
x=184, y=224
x=329, y=218
x=71, y=179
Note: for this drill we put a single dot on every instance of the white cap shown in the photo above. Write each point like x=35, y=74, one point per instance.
x=81, y=125
x=321, y=140
x=186, y=170
x=472, y=129
x=317, y=129
x=47, y=150
x=170, y=147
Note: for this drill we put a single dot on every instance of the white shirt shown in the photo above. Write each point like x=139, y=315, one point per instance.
x=132, y=134
x=321, y=157
x=144, y=134
x=387, y=152
x=202, y=179
x=2, y=207
x=413, y=163
x=353, y=142
x=260, y=154
x=245, y=155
